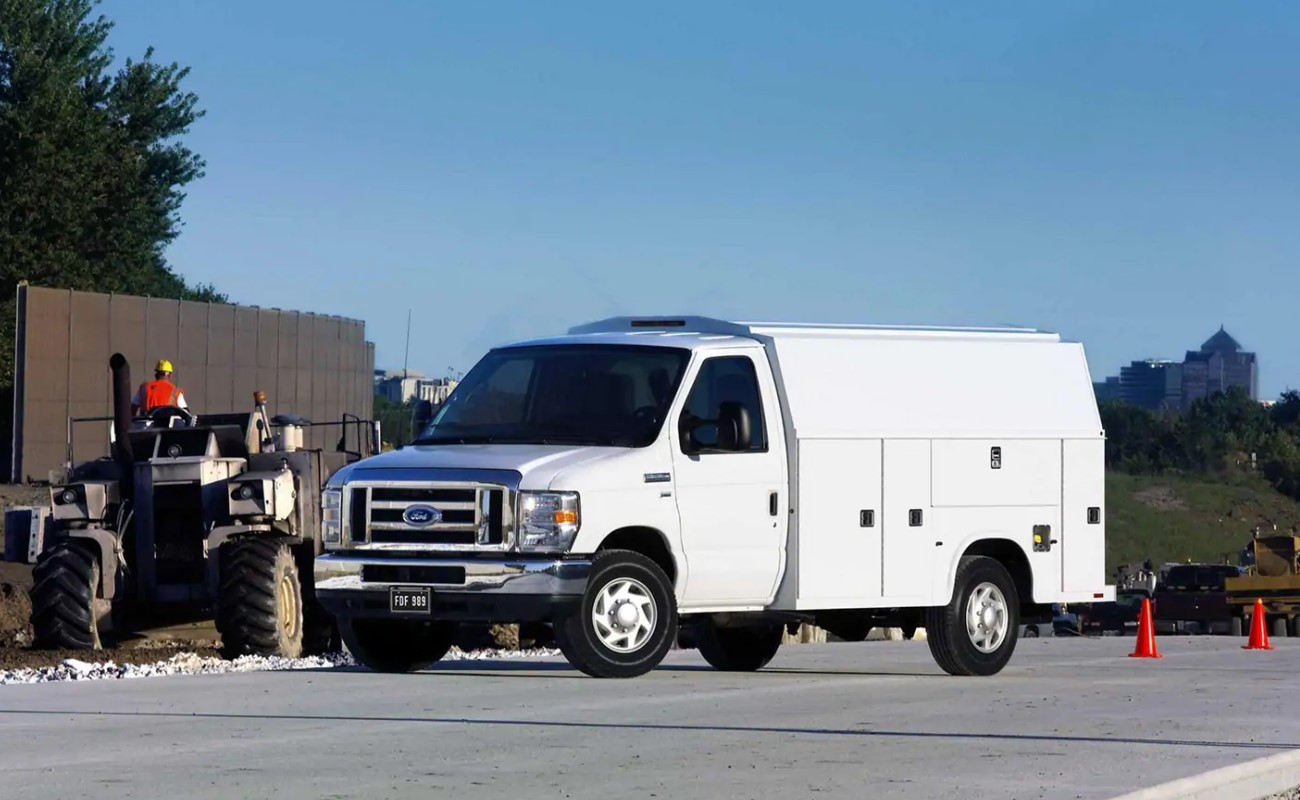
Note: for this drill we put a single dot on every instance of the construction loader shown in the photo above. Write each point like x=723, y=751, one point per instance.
x=218, y=513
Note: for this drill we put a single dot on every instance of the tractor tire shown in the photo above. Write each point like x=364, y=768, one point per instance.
x=397, y=645
x=66, y=614
x=259, y=599
x=746, y=649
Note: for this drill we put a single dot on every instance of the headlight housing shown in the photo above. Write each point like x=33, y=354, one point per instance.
x=548, y=520
x=331, y=518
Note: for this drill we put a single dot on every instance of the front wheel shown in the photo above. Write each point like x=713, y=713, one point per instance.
x=626, y=620
x=396, y=645
x=66, y=614
x=976, y=632
x=259, y=599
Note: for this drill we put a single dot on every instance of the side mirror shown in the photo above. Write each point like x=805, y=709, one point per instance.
x=734, y=431
x=421, y=413
x=731, y=431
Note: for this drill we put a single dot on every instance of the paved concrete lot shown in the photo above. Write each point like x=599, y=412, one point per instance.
x=1069, y=718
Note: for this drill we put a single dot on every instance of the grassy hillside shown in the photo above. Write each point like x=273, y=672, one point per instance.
x=1180, y=517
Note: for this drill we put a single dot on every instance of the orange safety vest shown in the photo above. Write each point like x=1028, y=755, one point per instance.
x=158, y=394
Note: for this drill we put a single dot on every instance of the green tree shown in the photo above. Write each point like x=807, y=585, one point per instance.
x=91, y=169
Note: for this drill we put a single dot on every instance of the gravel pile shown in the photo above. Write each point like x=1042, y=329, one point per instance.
x=193, y=664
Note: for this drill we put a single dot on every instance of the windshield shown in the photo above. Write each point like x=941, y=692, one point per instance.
x=611, y=395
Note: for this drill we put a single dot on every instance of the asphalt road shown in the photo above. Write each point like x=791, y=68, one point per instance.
x=1069, y=719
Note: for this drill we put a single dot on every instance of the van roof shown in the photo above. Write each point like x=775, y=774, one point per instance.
x=695, y=332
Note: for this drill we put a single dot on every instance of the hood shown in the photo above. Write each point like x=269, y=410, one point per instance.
x=537, y=464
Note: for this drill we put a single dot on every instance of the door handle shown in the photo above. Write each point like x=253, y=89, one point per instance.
x=771, y=503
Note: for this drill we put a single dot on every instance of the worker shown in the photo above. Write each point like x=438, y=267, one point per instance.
x=159, y=392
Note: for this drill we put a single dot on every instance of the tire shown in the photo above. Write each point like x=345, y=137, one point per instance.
x=1031, y=631
x=951, y=644
x=1236, y=627
x=66, y=615
x=1279, y=628
x=741, y=649
x=259, y=599
x=608, y=651
x=320, y=631
x=396, y=645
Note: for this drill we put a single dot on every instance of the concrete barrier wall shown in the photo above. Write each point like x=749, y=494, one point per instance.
x=320, y=367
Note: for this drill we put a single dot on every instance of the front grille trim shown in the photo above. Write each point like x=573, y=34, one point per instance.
x=490, y=529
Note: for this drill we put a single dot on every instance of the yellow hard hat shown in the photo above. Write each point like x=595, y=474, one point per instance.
x=164, y=366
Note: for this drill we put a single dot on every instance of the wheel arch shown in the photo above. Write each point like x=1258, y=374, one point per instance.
x=649, y=542
x=1005, y=551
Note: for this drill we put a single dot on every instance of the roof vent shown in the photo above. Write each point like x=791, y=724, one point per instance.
x=658, y=323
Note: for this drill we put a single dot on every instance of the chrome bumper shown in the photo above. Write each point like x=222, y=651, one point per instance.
x=341, y=572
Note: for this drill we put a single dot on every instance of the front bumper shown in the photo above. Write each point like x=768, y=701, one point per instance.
x=502, y=590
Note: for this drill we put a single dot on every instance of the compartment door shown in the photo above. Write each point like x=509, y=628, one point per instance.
x=1083, y=515
x=839, y=522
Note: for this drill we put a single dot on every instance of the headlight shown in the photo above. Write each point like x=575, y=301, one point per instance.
x=331, y=517
x=548, y=520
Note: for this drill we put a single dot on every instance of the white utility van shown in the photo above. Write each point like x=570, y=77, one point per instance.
x=737, y=478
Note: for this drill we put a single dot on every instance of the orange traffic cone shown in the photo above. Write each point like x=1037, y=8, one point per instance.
x=1146, y=638
x=1258, y=630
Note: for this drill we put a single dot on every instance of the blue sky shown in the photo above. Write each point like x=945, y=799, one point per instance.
x=1124, y=173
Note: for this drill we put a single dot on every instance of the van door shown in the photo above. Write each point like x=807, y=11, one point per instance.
x=733, y=505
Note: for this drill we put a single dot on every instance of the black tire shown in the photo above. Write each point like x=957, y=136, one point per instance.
x=581, y=643
x=259, y=599
x=1031, y=631
x=946, y=629
x=740, y=649
x=320, y=631
x=66, y=614
x=396, y=645
x=1279, y=628
x=1236, y=627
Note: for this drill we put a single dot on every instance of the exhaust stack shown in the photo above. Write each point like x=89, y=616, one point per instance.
x=122, y=415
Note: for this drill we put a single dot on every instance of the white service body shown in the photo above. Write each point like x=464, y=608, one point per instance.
x=881, y=456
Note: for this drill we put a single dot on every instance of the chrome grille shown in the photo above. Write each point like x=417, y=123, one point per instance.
x=453, y=517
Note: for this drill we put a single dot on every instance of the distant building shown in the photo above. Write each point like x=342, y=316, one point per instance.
x=1219, y=365
x=1107, y=389
x=1152, y=383
x=1165, y=385
x=399, y=388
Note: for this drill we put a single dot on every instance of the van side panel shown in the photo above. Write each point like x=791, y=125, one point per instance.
x=997, y=472
x=1083, y=540
x=840, y=523
x=910, y=533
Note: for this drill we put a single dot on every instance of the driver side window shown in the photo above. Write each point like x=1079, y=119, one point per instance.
x=727, y=379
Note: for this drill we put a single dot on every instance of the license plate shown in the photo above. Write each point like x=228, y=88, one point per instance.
x=409, y=600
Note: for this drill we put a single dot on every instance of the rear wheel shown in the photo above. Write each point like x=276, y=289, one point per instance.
x=396, y=645
x=740, y=649
x=65, y=612
x=259, y=602
x=626, y=620
x=1279, y=628
x=1236, y=627
x=976, y=633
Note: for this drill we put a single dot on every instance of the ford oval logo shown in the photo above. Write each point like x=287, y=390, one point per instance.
x=419, y=516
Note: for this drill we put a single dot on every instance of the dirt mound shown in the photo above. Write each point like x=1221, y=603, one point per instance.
x=1161, y=498
x=15, y=609
x=25, y=658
